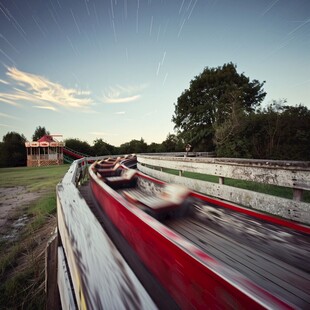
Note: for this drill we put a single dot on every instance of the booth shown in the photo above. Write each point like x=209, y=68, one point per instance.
x=46, y=151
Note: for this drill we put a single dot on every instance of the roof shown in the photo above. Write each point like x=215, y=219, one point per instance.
x=46, y=138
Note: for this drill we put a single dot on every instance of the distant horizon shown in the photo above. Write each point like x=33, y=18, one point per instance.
x=114, y=69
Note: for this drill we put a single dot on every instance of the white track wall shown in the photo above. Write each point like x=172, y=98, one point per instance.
x=295, y=175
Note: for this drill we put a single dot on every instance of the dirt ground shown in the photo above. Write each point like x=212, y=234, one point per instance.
x=12, y=200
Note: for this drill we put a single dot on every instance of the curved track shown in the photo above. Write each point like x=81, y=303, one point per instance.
x=270, y=257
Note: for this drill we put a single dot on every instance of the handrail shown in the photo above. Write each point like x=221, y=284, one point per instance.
x=98, y=273
x=295, y=175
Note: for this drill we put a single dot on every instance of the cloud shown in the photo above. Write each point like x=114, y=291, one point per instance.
x=49, y=95
x=122, y=99
x=8, y=116
x=4, y=125
x=122, y=94
x=120, y=113
x=4, y=82
x=45, y=108
x=8, y=98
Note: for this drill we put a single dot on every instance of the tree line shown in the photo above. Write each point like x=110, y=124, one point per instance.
x=220, y=111
x=13, y=150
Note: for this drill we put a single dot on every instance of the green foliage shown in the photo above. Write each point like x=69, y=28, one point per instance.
x=173, y=143
x=79, y=146
x=276, y=132
x=210, y=100
x=102, y=148
x=155, y=148
x=13, y=150
x=22, y=263
x=39, y=133
x=34, y=178
x=134, y=146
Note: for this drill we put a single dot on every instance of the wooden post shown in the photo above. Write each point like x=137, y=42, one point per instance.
x=297, y=194
x=51, y=287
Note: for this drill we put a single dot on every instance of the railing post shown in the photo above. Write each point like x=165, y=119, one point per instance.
x=297, y=194
x=51, y=288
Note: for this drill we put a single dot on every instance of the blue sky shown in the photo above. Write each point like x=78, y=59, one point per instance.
x=113, y=69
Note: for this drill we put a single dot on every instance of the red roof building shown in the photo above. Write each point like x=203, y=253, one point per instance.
x=45, y=152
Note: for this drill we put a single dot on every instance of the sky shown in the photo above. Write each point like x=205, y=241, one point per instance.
x=113, y=69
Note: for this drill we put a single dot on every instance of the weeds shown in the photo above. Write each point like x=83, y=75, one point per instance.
x=22, y=262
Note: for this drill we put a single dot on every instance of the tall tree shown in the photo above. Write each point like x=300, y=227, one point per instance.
x=13, y=150
x=39, y=133
x=102, y=148
x=275, y=132
x=212, y=97
x=133, y=146
x=79, y=146
x=173, y=143
x=155, y=148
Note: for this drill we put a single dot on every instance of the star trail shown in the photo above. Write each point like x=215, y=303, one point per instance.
x=113, y=69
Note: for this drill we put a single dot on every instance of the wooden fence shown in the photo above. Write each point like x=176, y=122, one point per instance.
x=294, y=175
x=91, y=273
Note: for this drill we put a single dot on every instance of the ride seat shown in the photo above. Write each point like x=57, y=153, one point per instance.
x=107, y=172
x=127, y=178
x=170, y=198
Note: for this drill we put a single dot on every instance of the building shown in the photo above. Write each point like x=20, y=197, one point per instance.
x=44, y=152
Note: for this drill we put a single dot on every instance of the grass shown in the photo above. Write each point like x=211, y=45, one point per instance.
x=34, y=178
x=22, y=261
x=274, y=190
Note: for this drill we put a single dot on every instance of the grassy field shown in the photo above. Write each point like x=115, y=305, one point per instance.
x=22, y=260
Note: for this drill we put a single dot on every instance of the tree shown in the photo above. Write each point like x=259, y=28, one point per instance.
x=39, y=133
x=210, y=100
x=291, y=140
x=134, y=146
x=155, y=148
x=79, y=146
x=102, y=148
x=13, y=150
x=275, y=132
x=173, y=143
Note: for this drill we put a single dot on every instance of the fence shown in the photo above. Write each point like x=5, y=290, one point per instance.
x=294, y=175
x=91, y=272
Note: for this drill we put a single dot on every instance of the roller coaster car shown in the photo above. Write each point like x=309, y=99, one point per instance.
x=108, y=172
x=128, y=178
x=108, y=163
x=221, y=255
x=172, y=201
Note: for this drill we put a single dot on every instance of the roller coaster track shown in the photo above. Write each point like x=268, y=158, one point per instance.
x=72, y=154
x=251, y=261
